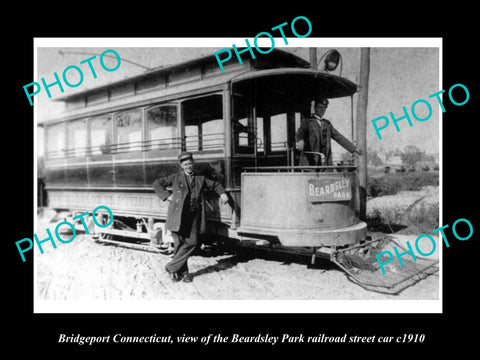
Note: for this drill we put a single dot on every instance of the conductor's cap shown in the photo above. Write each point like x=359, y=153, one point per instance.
x=321, y=101
x=185, y=156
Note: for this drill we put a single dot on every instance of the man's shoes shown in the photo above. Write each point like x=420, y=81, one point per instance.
x=167, y=249
x=187, y=278
x=175, y=277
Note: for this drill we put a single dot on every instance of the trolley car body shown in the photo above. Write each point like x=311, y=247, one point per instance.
x=115, y=140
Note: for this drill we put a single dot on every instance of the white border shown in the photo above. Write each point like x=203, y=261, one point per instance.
x=227, y=42
x=241, y=306
x=238, y=306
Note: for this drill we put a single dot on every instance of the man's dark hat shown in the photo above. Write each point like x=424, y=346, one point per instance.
x=185, y=156
x=322, y=101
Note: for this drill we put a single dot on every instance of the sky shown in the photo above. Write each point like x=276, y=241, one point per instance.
x=398, y=77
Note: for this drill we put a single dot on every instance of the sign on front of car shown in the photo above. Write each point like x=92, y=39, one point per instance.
x=329, y=190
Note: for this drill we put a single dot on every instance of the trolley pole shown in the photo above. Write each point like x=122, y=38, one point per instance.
x=361, y=127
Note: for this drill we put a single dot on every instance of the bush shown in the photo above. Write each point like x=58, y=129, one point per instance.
x=423, y=219
x=390, y=184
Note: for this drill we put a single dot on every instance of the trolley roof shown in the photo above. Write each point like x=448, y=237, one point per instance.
x=312, y=83
x=274, y=73
x=277, y=58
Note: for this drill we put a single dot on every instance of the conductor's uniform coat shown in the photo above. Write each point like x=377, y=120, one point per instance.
x=317, y=134
x=180, y=193
x=186, y=213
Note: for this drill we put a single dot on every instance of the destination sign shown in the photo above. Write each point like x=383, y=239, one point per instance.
x=329, y=190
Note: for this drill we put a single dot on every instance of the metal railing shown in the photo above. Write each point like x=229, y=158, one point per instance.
x=298, y=168
x=291, y=167
x=190, y=143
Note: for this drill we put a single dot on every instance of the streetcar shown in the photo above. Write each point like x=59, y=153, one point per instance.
x=113, y=141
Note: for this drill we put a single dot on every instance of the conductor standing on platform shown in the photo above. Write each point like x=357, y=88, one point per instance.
x=186, y=212
x=314, y=136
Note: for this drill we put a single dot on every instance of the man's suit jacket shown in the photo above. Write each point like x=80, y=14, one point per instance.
x=180, y=191
x=319, y=140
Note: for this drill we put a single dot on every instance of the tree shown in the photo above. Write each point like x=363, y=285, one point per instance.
x=412, y=155
x=373, y=158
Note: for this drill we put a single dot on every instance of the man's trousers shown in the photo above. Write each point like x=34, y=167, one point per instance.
x=184, y=242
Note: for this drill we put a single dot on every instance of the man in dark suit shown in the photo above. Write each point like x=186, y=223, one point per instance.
x=315, y=134
x=186, y=212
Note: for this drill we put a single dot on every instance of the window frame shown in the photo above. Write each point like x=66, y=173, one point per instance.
x=146, y=129
x=200, y=141
x=249, y=150
x=112, y=146
x=57, y=154
x=137, y=148
x=77, y=152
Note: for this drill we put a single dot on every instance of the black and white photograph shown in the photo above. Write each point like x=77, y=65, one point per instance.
x=198, y=181
x=218, y=173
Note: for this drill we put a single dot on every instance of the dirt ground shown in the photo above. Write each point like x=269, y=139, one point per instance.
x=87, y=270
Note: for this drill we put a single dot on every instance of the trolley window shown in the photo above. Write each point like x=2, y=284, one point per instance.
x=129, y=130
x=101, y=135
x=204, y=127
x=243, y=129
x=278, y=132
x=55, y=140
x=77, y=138
x=162, y=127
x=260, y=136
x=282, y=130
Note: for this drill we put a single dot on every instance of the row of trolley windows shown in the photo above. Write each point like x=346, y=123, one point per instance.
x=157, y=128
x=96, y=135
x=154, y=128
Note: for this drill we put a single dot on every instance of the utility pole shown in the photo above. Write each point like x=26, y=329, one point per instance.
x=312, y=54
x=361, y=128
x=313, y=58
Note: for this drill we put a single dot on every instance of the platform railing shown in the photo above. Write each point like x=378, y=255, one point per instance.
x=298, y=168
x=291, y=167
